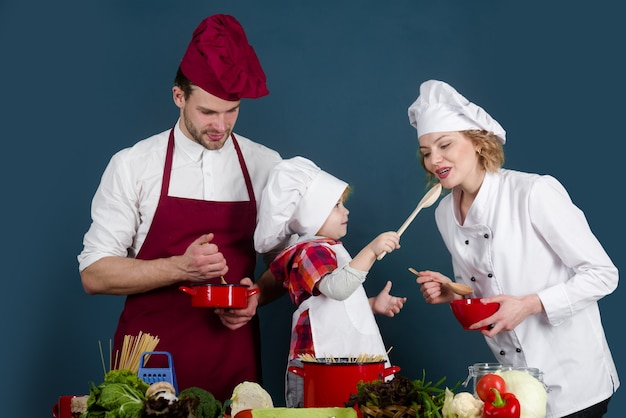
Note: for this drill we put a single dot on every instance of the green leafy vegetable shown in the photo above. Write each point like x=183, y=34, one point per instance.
x=425, y=397
x=121, y=395
x=209, y=407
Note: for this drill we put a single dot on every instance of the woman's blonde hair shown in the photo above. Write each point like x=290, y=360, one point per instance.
x=489, y=148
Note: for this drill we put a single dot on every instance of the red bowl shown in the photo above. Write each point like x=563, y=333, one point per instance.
x=471, y=310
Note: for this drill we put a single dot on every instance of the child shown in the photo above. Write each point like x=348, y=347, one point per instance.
x=303, y=206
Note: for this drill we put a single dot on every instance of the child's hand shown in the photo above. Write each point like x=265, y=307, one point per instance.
x=386, y=304
x=385, y=243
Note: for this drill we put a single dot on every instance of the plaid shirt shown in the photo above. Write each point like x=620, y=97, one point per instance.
x=299, y=268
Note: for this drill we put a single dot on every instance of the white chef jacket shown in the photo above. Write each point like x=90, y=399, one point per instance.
x=523, y=235
x=126, y=200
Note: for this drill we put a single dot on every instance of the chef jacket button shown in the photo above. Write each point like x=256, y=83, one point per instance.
x=490, y=275
x=502, y=352
x=518, y=350
x=486, y=235
x=466, y=242
x=473, y=279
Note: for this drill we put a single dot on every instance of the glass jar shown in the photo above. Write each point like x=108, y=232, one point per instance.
x=478, y=370
x=533, y=371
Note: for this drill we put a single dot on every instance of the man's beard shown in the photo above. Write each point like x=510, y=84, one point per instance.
x=198, y=135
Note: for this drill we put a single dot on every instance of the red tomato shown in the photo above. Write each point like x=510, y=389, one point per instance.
x=246, y=413
x=484, y=385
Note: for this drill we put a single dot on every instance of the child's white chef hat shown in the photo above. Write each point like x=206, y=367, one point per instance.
x=440, y=108
x=297, y=199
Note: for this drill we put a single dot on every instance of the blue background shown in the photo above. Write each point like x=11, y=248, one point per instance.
x=83, y=79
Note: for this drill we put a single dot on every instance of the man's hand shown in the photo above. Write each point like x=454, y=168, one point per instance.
x=202, y=260
x=236, y=318
x=115, y=275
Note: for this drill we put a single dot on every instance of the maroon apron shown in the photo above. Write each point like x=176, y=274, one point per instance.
x=205, y=353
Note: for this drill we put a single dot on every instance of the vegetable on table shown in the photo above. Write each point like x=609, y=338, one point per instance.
x=122, y=394
x=424, y=396
x=461, y=405
x=530, y=392
x=244, y=413
x=249, y=395
x=191, y=402
x=505, y=405
x=207, y=407
x=486, y=383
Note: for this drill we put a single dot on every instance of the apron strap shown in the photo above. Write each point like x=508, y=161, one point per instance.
x=244, y=169
x=165, y=184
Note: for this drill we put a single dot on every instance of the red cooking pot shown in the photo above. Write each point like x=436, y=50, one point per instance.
x=219, y=295
x=330, y=384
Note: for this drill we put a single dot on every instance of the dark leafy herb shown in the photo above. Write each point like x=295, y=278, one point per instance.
x=425, y=397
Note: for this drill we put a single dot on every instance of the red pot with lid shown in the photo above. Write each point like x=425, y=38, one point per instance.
x=219, y=295
x=330, y=384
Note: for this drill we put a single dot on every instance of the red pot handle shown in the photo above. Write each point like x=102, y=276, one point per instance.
x=390, y=370
x=188, y=290
x=298, y=371
x=251, y=292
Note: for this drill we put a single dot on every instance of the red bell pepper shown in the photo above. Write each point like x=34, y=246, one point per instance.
x=504, y=405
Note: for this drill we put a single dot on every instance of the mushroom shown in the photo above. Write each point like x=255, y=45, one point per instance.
x=161, y=390
x=160, y=396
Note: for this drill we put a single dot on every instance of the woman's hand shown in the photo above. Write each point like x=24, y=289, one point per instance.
x=386, y=304
x=513, y=310
x=237, y=318
x=432, y=291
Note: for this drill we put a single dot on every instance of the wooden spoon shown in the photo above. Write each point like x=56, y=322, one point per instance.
x=458, y=288
x=429, y=199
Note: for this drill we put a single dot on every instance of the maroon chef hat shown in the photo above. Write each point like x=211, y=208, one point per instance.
x=220, y=60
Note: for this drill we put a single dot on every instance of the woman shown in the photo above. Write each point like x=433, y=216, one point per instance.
x=518, y=240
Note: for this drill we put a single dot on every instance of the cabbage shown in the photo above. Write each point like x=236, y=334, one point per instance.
x=530, y=392
x=121, y=395
x=249, y=395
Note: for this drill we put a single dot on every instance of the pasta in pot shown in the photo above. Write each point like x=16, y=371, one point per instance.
x=360, y=358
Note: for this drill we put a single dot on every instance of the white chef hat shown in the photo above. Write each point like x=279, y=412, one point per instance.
x=297, y=199
x=440, y=108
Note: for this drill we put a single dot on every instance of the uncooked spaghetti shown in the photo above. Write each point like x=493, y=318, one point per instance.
x=132, y=349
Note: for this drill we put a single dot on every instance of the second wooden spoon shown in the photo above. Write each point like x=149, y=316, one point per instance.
x=458, y=288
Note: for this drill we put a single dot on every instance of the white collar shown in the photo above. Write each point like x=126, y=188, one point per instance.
x=486, y=194
x=191, y=148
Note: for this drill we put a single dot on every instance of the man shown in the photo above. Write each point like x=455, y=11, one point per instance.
x=180, y=208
